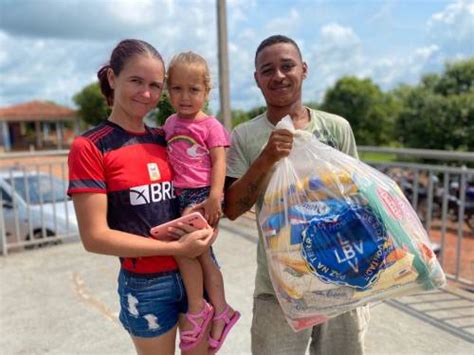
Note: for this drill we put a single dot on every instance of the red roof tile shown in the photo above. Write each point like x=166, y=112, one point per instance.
x=37, y=111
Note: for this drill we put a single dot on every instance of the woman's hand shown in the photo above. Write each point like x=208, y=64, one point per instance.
x=193, y=242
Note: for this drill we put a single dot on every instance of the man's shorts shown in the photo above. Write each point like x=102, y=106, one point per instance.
x=150, y=304
x=271, y=334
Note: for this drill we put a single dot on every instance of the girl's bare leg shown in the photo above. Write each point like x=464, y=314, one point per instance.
x=191, y=272
x=214, y=284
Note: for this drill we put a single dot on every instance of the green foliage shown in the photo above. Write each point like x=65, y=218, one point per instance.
x=458, y=78
x=370, y=112
x=429, y=81
x=313, y=104
x=381, y=157
x=421, y=120
x=92, y=105
x=439, y=113
x=164, y=109
x=240, y=116
x=256, y=111
x=463, y=105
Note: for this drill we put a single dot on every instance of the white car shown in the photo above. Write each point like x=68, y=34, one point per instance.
x=34, y=206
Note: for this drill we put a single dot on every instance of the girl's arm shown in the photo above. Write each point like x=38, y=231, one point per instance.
x=218, y=171
x=217, y=155
x=97, y=237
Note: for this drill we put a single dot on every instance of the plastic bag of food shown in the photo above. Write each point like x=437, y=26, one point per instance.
x=339, y=234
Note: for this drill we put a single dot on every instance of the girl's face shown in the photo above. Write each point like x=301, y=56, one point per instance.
x=137, y=89
x=187, y=90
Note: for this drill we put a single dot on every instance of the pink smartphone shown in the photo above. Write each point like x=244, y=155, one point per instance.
x=194, y=219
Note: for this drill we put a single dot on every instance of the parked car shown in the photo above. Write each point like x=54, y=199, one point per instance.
x=34, y=206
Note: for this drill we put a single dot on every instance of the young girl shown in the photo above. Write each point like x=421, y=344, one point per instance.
x=196, y=148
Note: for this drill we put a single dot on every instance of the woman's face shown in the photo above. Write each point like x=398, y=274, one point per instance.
x=137, y=89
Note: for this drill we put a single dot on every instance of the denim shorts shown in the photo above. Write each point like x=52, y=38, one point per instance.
x=150, y=304
x=188, y=197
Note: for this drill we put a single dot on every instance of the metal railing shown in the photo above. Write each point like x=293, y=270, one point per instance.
x=421, y=153
x=443, y=196
x=440, y=194
x=34, y=208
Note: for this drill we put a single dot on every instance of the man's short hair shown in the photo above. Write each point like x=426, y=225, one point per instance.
x=275, y=39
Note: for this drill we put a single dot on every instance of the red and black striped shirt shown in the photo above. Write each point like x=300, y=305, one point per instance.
x=133, y=170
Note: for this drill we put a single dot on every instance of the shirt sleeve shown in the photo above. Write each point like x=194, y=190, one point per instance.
x=218, y=135
x=237, y=162
x=348, y=144
x=168, y=127
x=86, y=169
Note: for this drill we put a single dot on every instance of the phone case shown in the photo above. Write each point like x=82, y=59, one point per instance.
x=194, y=219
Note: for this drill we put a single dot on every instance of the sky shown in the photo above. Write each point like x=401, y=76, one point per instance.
x=51, y=49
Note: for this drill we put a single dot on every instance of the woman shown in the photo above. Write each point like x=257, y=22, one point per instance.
x=120, y=182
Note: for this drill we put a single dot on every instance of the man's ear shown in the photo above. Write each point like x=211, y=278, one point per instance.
x=111, y=78
x=305, y=70
x=256, y=80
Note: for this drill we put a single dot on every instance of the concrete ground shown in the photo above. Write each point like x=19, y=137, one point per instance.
x=62, y=300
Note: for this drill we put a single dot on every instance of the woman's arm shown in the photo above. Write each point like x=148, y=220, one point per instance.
x=97, y=237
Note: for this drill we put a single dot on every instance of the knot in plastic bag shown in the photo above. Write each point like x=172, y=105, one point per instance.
x=287, y=123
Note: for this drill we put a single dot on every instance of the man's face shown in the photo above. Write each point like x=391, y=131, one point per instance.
x=279, y=74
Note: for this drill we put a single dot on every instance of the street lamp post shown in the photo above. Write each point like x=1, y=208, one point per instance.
x=224, y=90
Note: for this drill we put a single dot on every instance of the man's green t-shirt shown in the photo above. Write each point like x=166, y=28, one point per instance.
x=248, y=140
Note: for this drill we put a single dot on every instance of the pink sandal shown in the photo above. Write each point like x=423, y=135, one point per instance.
x=191, y=338
x=214, y=344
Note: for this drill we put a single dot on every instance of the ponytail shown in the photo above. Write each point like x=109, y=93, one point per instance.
x=105, y=88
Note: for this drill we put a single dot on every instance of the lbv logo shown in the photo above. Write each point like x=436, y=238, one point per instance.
x=350, y=252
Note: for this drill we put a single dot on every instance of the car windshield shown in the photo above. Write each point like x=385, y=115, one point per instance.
x=39, y=188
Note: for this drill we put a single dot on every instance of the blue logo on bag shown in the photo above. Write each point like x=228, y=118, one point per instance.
x=348, y=249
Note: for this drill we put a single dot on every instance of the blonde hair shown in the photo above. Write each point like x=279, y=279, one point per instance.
x=193, y=60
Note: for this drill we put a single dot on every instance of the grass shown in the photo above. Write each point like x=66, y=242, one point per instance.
x=381, y=157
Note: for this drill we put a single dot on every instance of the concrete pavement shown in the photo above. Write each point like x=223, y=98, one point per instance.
x=62, y=300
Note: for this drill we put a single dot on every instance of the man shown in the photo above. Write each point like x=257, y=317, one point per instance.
x=256, y=147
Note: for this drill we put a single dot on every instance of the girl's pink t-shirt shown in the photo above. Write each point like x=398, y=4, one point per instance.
x=189, y=142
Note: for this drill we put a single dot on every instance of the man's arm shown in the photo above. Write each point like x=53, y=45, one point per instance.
x=241, y=194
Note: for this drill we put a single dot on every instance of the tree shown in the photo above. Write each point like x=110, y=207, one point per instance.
x=92, y=105
x=240, y=116
x=461, y=108
x=370, y=112
x=458, y=78
x=439, y=113
x=421, y=121
x=164, y=109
